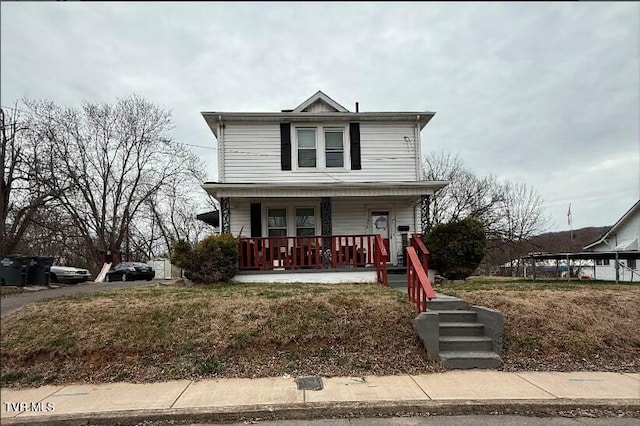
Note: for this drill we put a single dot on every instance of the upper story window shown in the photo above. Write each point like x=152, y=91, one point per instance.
x=306, y=147
x=334, y=147
x=320, y=147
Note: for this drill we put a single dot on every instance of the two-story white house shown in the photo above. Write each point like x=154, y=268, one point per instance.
x=624, y=239
x=311, y=187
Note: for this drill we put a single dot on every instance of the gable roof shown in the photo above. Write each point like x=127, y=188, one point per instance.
x=633, y=210
x=319, y=96
x=318, y=107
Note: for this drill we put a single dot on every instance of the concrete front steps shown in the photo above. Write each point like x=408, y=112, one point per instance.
x=463, y=340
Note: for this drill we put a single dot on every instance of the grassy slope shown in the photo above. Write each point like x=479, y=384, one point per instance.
x=162, y=333
x=563, y=326
x=153, y=334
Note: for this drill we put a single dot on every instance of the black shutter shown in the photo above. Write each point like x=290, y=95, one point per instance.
x=285, y=146
x=256, y=220
x=354, y=136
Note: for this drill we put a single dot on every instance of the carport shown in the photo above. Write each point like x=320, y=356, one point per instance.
x=616, y=256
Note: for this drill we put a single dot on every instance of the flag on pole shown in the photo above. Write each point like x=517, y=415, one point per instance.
x=569, y=215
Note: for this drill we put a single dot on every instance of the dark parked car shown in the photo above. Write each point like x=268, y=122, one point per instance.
x=68, y=275
x=130, y=271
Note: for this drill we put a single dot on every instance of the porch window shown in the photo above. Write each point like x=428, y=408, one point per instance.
x=602, y=262
x=277, y=222
x=305, y=222
x=334, y=147
x=306, y=147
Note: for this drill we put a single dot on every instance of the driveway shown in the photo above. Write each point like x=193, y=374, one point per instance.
x=10, y=304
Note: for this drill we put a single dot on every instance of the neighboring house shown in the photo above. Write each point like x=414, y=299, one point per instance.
x=624, y=239
x=313, y=185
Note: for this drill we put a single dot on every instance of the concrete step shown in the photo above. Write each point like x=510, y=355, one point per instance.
x=456, y=315
x=447, y=304
x=465, y=343
x=466, y=360
x=461, y=329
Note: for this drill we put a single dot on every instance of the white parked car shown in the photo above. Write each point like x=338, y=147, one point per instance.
x=68, y=275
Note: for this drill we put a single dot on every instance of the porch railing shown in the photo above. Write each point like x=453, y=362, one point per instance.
x=309, y=252
x=381, y=258
x=419, y=288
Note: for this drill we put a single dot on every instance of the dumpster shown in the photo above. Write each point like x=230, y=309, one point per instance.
x=38, y=270
x=13, y=269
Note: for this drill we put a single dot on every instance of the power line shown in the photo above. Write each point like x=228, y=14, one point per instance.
x=198, y=146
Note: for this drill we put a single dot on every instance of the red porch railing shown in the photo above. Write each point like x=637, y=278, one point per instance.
x=419, y=287
x=318, y=251
x=381, y=258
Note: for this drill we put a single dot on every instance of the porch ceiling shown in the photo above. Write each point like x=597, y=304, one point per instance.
x=333, y=189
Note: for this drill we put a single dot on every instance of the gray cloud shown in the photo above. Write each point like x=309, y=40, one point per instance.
x=545, y=93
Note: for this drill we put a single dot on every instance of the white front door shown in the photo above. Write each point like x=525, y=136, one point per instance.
x=381, y=224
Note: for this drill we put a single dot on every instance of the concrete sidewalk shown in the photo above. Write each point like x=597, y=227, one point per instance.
x=449, y=393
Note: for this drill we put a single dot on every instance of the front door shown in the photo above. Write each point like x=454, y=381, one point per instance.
x=380, y=225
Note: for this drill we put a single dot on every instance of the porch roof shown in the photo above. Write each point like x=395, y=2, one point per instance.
x=328, y=189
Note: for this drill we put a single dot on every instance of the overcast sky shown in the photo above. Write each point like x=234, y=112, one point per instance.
x=544, y=93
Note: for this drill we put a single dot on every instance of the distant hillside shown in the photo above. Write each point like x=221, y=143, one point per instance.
x=561, y=241
x=500, y=252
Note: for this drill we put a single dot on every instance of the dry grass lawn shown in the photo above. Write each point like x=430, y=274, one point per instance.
x=163, y=333
x=560, y=326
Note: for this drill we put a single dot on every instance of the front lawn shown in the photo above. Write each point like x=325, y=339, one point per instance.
x=156, y=334
x=240, y=330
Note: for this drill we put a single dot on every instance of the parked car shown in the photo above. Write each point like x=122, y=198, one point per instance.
x=68, y=275
x=130, y=271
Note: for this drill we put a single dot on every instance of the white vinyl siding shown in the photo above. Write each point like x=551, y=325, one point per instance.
x=240, y=220
x=252, y=154
x=629, y=231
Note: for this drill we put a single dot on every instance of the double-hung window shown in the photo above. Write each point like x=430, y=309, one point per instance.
x=320, y=148
x=306, y=147
x=334, y=147
x=305, y=221
x=277, y=222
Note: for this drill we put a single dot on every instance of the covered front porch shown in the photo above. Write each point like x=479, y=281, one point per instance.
x=322, y=226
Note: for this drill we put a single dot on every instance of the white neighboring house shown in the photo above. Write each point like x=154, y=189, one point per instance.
x=308, y=187
x=623, y=237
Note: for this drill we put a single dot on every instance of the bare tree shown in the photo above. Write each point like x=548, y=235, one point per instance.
x=109, y=160
x=511, y=213
x=24, y=182
x=522, y=217
x=467, y=195
x=170, y=216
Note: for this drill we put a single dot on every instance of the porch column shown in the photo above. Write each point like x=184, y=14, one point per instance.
x=225, y=210
x=425, y=217
x=325, y=221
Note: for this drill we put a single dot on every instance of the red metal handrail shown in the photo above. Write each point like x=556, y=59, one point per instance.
x=381, y=258
x=421, y=250
x=419, y=288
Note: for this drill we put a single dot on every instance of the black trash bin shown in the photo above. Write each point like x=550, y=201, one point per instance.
x=38, y=270
x=13, y=269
